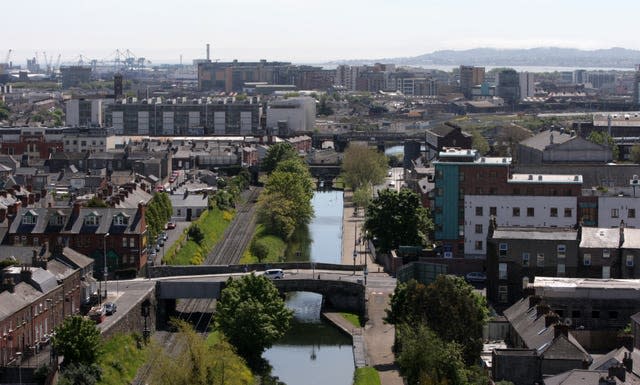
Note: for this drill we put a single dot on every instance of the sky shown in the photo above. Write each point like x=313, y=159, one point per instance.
x=306, y=31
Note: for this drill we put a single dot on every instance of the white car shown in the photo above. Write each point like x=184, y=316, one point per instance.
x=274, y=273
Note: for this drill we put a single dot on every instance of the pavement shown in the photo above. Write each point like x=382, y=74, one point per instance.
x=378, y=336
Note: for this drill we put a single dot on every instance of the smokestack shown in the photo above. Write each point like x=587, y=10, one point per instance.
x=208, y=56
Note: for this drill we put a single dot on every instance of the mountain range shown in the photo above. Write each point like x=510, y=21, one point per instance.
x=542, y=56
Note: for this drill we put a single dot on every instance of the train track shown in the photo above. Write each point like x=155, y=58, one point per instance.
x=238, y=234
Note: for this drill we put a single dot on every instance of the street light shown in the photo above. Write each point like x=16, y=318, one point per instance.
x=355, y=255
x=105, y=273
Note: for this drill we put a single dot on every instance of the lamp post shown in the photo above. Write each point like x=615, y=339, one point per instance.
x=355, y=255
x=105, y=272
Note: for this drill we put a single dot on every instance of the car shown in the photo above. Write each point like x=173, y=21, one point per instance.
x=160, y=242
x=110, y=308
x=164, y=235
x=171, y=225
x=274, y=273
x=476, y=276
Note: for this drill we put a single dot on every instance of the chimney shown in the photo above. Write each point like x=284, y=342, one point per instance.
x=8, y=284
x=534, y=300
x=560, y=329
x=550, y=319
x=3, y=193
x=627, y=361
x=606, y=381
x=25, y=274
x=3, y=214
x=29, y=188
x=43, y=192
x=528, y=291
x=541, y=310
x=75, y=212
x=141, y=209
x=618, y=371
x=621, y=241
x=34, y=257
x=31, y=199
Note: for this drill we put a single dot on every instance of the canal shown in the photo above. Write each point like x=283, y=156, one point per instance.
x=314, y=352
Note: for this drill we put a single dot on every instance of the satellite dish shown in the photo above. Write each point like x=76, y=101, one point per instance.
x=568, y=321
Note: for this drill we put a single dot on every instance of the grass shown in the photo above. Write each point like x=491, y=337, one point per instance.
x=366, y=376
x=275, y=245
x=354, y=319
x=187, y=252
x=121, y=359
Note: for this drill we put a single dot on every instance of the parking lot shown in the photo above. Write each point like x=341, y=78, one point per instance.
x=172, y=237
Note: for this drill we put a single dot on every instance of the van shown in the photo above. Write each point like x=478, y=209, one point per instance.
x=274, y=273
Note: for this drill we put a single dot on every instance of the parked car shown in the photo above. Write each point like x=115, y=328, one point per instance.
x=96, y=314
x=476, y=276
x=110, y=308
x=164, y=235
x=274, y=273
x=171, y=225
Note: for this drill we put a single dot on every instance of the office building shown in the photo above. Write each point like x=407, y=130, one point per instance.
x=470, y=76
x=84, y=113
x=527, y=85
x=285, y=116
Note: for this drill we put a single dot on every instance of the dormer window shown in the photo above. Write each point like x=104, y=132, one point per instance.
x=30, y=218
x=57, y=219
x=92, y=219
x=120, y=219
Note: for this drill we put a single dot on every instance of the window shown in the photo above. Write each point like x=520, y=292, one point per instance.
x=478, y=245
x=540, y=260
x=614, y=213
x=124, y=242
x=576, y=314
x=606, y=253
x=120, y=220
x=478, y=211
x=562, y=251
x=553, y=212
x=561, y=269
x=515, y=211
x=478, y=229
x=83, y=143
x=631, y=213
x=57, y=220
x=502, y=271
x=132, y=242
x=23, y=240
x=461, y=176
x=629, y=260
x=503, y=294
x=36, y=241
x=493, y=211
x=91, y=220
x=595, y=313
x=586, y=259
x=613, y=314
x=503, y=247
x=606, y=272
x=568, y=213
x=179, y=212
x=29, y=218
x=525, y=282
x=525, y=259
x=530, y=212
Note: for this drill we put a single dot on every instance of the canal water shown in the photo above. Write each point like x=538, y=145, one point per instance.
x=314, y=352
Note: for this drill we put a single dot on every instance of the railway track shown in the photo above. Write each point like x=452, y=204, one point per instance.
x=238, y=234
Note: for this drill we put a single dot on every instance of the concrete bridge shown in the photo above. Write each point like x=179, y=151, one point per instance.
x=337, y=294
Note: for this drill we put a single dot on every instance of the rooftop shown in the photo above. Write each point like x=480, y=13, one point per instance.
x=545, y=178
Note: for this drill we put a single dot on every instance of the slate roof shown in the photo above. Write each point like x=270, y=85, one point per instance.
x=192, y=200
x=600, y=238
x=444, y=130
x=542, y=234
x=543, y=139
x=23, y=295
x=77, y=259
x=631, y=238
x=43, y=280
x=535, y=335
x=578, y=377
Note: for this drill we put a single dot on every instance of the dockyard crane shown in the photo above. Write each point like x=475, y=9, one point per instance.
x=6, y=60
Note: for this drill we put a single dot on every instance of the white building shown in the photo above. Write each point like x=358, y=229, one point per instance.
x=299, y=114
x=84, y=113
x=613, y=209
x=527, y=85
x=92, y=140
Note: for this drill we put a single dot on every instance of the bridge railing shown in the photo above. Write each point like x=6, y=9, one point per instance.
x=181, y=270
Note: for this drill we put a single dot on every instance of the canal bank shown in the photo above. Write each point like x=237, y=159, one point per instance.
x=378, y=336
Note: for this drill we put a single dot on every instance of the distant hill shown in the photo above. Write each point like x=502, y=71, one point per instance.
x=546, y=57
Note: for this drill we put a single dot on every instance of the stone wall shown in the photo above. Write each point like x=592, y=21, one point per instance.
x=133, y=321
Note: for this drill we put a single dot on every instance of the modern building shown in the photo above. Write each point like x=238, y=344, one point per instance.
x=470, y=76
x=443, y=136
x=84, y=113
x=231, y=76
x=508, y=86
x=73, y=76
x=527, y=85
x=290, y=115
x=181, y=117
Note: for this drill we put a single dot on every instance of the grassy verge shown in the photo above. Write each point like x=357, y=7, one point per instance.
x=121, y=359
x=275, y=245
x=187, y=252
x=354, y=319
x=366, y=376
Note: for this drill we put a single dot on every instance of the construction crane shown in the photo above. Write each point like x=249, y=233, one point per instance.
x=6, y=60
x=57, y=66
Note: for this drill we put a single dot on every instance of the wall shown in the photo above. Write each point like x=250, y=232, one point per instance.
x=170, y=271
x=133, y=321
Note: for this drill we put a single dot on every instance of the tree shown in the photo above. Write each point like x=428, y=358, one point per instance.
x=362, y=166
x=260, y=249
x=479, y=142
x=449, y=306
x=96, y=202
x=80, y=374
x=427, y=359
x=252, y=315
x=277, y=153
x=323, y=107
x=199, y=362
x=196, y=234
x=606, y=140
x=635, y=153
x=4, y=111
x=78, y=340
x=362, y=197
x=397, y=218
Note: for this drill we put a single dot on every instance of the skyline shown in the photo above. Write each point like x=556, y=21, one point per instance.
x=301, y=32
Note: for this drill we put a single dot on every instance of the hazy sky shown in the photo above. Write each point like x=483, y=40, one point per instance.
x=307, y=30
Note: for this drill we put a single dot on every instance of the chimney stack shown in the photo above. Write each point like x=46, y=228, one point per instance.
x=618, y=371
x=560, y=329
x=208, y=52
x=534, y=300
x=542, y=309
x=550, y=319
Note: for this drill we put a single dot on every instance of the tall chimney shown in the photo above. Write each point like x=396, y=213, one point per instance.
x=208, y=56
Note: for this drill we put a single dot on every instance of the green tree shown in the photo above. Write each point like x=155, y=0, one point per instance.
x=449, y=306
x=196, y=234
x=78, y=340
x=362, y=197
x=199, y=362
x=298, y=168
x=260, y=249
x=397, y=218
x=4, y=111
x=479, y=142
x=96, y=202
x=635, y=153
x=252, y=315
x=80, y=374
x=277, y=153
x=426, y=359
x=362, y=166
x=323, y=107
x=606, y=140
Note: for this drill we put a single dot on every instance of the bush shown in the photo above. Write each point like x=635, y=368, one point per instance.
x=195, y=234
